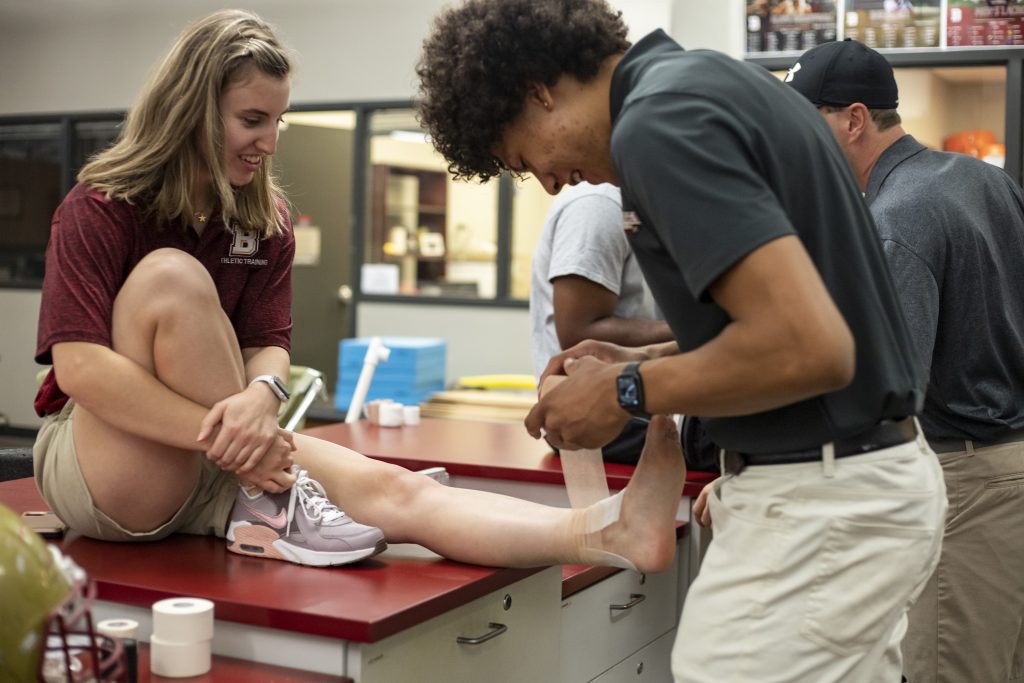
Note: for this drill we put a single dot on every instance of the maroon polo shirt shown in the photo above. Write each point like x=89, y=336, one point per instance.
x=95, y=243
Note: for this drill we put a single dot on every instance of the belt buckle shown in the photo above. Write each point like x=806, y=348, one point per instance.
x=733, y=462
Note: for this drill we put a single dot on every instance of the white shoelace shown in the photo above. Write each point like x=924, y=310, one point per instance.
x=314, y=500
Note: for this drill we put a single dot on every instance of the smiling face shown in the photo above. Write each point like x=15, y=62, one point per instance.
x=251, y=109
x=562, y=137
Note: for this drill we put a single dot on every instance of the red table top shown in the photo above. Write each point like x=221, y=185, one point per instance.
x=473, y=449
x=364, y=602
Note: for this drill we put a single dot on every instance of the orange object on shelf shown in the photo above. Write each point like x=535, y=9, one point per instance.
x=972, y=142
x=994, y=154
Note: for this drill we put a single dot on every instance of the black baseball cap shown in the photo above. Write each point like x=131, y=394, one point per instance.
x=840, y=73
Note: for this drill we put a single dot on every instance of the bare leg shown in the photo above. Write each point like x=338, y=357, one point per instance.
x=168, y=319
x=490, y=529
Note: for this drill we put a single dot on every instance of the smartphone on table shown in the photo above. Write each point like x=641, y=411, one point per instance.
x=44, y=523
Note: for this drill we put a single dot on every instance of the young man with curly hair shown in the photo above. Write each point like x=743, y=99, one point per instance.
x=789, y=340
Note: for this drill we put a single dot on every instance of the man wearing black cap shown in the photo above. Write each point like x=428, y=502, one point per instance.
x=789, y=339
x=952, y=229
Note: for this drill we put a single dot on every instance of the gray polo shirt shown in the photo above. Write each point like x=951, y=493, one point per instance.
x=717, y=157
x=953, y=232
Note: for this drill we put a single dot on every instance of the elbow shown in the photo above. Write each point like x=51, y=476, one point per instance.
x=834, y=361
x=70, y=376
x=73, y=374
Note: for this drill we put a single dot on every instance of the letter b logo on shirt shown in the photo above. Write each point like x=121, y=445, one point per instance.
x=245, y=243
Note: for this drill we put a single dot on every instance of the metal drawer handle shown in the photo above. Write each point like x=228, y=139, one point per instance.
x=496, y=630
x=634, y=600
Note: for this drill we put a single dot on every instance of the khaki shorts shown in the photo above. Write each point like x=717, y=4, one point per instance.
x=61, y=484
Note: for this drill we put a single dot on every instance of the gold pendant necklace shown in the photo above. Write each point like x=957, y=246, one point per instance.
x=201, y=217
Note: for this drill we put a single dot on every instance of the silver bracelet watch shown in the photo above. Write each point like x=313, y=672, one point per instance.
x=275, y=384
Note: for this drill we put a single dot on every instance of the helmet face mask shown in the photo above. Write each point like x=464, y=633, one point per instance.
x=74, y=651
x=47, y=631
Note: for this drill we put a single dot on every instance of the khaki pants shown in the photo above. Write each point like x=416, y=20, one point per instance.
x=62, y=486
x=967, y=625
x=809, y=576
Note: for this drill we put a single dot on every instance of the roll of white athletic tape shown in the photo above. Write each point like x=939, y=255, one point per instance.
x=118, y=628
x=411, y=415
x=183, y=620
x=178, y=660
x=391, y=415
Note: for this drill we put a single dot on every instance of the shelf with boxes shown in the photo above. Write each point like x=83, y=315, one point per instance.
x=798, y=25
x=414, y=371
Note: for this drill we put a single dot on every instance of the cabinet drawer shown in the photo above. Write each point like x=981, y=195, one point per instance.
x=526, y=650
x=653, y=664
x=604, y=624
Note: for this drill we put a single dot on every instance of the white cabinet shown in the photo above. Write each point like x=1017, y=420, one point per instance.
x=508, y=635
x=653, y=664
x=612, y=620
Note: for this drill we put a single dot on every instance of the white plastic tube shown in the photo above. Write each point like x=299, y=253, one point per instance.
x=376, y=352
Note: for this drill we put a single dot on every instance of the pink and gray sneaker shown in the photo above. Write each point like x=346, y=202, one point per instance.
x=300, y=525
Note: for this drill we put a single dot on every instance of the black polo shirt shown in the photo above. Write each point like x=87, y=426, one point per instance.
x=717, y=157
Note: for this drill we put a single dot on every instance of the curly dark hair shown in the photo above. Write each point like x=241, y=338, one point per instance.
x=481, y=56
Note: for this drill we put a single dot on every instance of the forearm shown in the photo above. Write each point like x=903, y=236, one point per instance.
x=122, y=393
x=624, y=332
x=266, y=360
x=662, y=350
x=739, y=372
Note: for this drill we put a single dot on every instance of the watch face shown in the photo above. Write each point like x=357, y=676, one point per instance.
x=629, y=395
x=282, y=389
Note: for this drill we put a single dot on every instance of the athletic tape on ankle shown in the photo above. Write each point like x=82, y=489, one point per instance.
x=596, y=517
x=587, y=487
x=585, y=480
x=602, y=514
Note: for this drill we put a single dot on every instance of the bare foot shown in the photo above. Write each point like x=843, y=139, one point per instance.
x=646, y=531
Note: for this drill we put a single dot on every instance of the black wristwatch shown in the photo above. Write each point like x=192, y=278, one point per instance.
x=629, y=387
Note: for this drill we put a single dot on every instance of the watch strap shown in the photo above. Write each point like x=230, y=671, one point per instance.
x=275, y=384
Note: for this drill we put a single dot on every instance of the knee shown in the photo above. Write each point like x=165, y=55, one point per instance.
x=403, y=487
x=172, y=276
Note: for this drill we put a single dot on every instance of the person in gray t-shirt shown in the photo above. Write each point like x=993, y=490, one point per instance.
x=952, y=229
x=586, y=284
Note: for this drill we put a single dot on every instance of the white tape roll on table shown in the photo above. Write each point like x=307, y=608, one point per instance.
x=391, y=415
x=118, y=628
x=183, y=620
x=178, y=660
x=411, y=415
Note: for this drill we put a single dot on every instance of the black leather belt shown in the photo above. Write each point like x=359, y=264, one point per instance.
x=958, y=445
x=883, y=435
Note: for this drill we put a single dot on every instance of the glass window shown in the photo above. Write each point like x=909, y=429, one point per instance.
x=427, y=235
x=30, y=189
x=92, y=137
x=530, y=204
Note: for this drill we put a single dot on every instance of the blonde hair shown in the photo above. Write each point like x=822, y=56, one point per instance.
x=174, y=131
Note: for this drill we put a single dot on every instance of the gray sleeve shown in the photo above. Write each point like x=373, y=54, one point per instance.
x=918, y=292
x=589, y=242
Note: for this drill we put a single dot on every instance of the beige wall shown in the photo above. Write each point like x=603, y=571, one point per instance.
x=19, y=311
x=76, y=55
